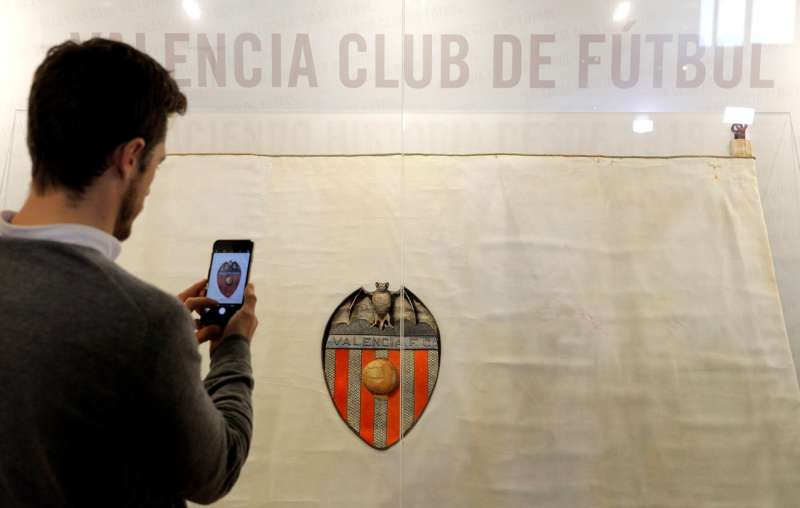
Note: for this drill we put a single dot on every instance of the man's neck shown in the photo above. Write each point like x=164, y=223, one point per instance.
x=55, y=207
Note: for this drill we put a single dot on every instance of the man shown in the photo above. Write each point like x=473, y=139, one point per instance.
x=102, y=398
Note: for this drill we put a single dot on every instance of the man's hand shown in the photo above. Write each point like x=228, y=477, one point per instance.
x=194, y=299
x=244, y=322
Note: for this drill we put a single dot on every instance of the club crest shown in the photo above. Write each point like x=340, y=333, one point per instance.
x=228, y=277
x=380, y=355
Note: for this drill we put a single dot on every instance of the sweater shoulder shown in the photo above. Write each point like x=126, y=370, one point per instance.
x=90, y=275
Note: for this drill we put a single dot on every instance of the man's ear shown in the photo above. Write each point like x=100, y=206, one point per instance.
x=126, y=159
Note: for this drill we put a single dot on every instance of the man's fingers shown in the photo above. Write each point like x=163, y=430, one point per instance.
x=250, y=297
x=193, y=290
x=208, y=333
x=199, y=302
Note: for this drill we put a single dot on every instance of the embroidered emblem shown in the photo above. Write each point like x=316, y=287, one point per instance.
x=381, y=354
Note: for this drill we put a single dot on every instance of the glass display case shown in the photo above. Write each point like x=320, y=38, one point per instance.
x=591, y=302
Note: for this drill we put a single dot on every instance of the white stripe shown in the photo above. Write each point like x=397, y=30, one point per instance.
x=407, y=391
x=354, y=389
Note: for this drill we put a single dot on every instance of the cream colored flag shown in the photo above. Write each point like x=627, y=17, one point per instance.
x=611, y=331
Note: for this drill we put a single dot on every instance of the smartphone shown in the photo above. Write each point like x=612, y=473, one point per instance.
x=228, y=274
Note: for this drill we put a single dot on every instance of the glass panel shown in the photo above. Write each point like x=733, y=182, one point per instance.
x=543, y=369
x=458, y=210
x=246, y=162
x=482, y=155
x=599, y=266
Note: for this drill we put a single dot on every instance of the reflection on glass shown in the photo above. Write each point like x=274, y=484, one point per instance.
x=739, y=115
x=726, y=22
x=731, y=22
x=622, y=11
x=192, y=9
x=773, y=21
x=708, y=10
x=643, y=125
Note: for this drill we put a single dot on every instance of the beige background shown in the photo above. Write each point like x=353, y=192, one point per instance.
x=611, y=329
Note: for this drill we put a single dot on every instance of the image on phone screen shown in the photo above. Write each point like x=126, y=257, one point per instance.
x=228, y=277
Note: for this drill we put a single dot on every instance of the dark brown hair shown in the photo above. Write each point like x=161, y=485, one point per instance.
x=88, y=98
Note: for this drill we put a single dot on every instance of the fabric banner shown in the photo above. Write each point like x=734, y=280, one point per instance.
x=611, y=331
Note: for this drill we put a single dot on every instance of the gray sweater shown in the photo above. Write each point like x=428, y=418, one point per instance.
x=101, y=397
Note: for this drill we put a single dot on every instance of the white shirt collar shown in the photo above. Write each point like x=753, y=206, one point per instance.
x=78, y=234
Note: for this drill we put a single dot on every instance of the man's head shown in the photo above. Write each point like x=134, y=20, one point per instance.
x=97, y=107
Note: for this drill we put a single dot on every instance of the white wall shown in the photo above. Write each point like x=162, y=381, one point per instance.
x=27, y=29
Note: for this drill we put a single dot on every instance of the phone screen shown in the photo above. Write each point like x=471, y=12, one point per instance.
x=228, y=276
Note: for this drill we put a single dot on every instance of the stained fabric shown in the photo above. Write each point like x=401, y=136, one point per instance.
x=611, y=331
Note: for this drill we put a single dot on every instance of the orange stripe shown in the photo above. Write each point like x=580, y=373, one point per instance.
x=367, y=402
x=340, y=383
x=393, y=412
x=420, y=382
